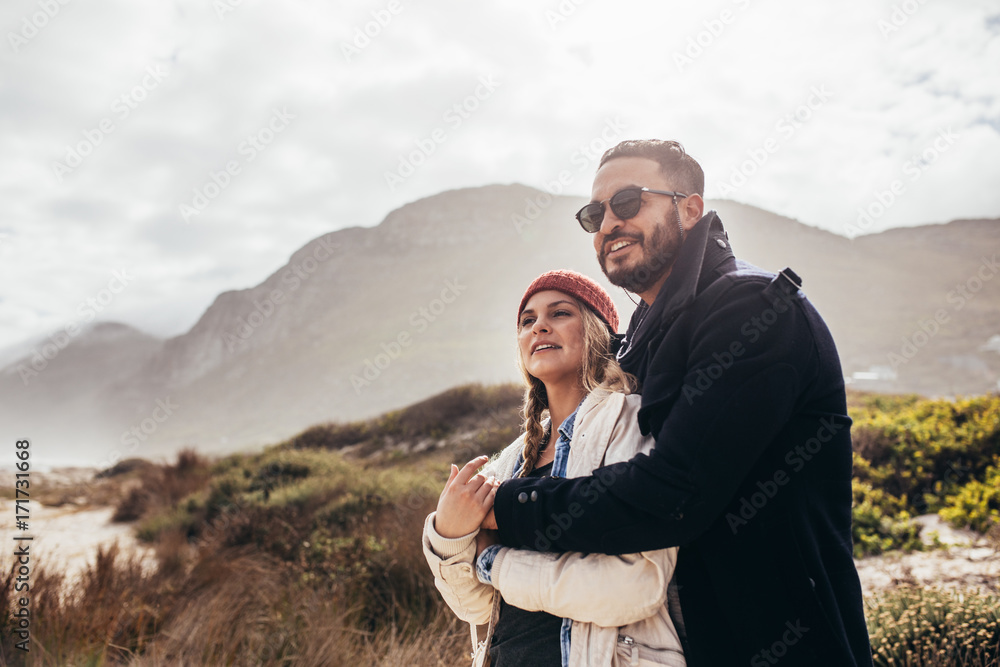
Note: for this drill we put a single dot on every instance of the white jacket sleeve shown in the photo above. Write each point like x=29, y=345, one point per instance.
x=451, y=562
x=609, y=591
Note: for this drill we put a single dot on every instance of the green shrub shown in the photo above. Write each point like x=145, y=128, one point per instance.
x=330, y=436
x=880, y=522
x=492, y=410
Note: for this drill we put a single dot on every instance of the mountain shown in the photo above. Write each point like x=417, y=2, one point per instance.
x=364, y=320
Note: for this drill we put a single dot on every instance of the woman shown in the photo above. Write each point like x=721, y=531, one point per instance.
x=547, y=608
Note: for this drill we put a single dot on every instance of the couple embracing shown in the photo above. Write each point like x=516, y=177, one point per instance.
x=616, y=531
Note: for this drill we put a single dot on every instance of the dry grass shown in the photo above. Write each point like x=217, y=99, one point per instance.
x=241, y=607
x=110, y=612
x=284, y=558
x=929, y=627
x=235, y=607
x=157, y=487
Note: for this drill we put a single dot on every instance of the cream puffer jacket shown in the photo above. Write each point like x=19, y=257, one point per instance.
x=617, y=603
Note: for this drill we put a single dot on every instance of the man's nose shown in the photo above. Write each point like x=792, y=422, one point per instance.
x=610, y=223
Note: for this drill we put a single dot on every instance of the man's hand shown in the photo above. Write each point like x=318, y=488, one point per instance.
x=490, y=522
x=465, y=500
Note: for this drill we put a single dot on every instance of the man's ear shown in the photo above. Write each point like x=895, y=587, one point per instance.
x=692, y=208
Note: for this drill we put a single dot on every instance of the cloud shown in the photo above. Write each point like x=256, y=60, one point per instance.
x=565, y=70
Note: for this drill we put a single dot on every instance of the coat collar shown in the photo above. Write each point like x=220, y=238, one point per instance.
x=705, y=249
x=705, y=255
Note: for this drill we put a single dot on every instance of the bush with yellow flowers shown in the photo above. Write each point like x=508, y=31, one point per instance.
x=916, y=456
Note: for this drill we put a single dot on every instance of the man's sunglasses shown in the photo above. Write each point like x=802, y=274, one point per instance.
x=625, y=204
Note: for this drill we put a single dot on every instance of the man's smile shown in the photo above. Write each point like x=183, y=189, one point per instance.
x=618, y=246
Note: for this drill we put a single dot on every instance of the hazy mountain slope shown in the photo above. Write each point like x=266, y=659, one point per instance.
x=362, y=320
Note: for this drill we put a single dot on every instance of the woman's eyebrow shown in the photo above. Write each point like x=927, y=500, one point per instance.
x=548, y=305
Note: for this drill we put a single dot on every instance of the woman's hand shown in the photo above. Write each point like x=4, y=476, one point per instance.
x=465, y=500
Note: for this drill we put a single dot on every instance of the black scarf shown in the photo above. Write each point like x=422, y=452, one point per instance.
x=649, y=323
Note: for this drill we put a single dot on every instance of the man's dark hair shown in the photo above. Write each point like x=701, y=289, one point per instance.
x=685, y=172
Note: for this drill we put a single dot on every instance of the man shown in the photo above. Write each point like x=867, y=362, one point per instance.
x=743, y=391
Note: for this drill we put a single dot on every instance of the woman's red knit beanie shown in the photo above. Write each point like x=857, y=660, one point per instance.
x=578, y=285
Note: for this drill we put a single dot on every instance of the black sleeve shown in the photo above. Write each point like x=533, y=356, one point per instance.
x=741, y=381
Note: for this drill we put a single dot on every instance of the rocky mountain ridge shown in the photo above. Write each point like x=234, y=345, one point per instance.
x=363, y=320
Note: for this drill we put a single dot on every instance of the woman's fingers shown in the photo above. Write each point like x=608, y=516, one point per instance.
x=487, y=494
x=469, y=469
x=451, y=475
x=488, y=487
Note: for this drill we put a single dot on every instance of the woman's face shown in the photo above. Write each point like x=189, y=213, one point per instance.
x=550, y=337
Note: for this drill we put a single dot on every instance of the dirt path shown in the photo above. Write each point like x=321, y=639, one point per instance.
x=967, y=561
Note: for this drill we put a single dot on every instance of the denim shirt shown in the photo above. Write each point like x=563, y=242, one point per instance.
x=484, y=564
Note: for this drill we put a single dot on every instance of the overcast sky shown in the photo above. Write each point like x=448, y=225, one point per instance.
x=115, y=115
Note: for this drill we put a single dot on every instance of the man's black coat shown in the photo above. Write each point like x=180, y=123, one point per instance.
x=750, y=476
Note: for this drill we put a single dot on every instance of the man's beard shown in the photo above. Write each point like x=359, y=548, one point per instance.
x=659, y=251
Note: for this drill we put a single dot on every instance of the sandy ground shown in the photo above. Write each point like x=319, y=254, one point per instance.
x=66, y=538
x=967, y=561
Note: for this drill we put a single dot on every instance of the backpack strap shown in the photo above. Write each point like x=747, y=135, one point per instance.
x=481, y=647
x=784, y=286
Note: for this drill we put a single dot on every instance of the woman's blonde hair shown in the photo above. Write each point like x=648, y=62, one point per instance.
x=599, y=369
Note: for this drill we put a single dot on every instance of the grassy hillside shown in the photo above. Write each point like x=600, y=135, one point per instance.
x=308, y=553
